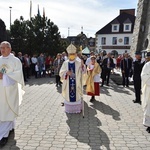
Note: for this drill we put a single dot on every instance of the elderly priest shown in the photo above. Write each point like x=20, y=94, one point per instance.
x=11, y=83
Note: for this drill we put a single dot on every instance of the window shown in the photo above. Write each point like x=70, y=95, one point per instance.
x=91, y=43
x=103, y=41
x=146, y=43
x=127, y=27
x=114, y=40
x=115, y=27
x=126, y=40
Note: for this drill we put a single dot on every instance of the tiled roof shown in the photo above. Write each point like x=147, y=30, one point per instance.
x=127, y=21
x=115, y=22
x=121, y=19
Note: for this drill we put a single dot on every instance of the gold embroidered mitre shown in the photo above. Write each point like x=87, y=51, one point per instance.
x=71, y=49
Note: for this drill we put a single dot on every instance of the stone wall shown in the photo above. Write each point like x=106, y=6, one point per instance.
x=141, y=34
x=147, y=27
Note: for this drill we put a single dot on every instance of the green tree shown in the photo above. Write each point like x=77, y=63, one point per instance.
x=40, y=35
x=18, y=34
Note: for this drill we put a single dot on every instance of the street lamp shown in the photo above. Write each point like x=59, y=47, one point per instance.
x=10, y=15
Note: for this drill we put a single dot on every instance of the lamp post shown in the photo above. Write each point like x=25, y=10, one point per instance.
x=10, y=15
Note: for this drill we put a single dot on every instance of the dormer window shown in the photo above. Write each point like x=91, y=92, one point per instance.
x=115, y=27
x=127, y=27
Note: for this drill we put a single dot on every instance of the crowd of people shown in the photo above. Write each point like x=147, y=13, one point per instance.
x=42, y=66
x=72, y=71
x=96, y=67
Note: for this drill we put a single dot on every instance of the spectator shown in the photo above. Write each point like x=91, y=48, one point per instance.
x=57, y=65
x=33, y=63
x=137, y=68
x=107, y=65
x=126, y=66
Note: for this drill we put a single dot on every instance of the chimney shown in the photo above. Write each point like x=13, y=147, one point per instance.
x=128, y=11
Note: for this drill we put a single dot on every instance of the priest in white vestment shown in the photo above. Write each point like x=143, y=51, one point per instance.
x=11, y=83
x=71, y=75
x=145, y=76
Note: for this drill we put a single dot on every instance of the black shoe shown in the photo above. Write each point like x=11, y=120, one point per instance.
x=107, y=84
x=134, y=101
x=148, y=129
x=62, y=104
x=12, y=131
x=102, y=85
x=3, y=142
x=92, y=99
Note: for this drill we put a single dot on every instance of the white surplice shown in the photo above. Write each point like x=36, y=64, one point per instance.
x=5, y=128
x=145, y=76
x=10, y=91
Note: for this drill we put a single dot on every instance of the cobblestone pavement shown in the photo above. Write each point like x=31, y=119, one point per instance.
x=112, y=122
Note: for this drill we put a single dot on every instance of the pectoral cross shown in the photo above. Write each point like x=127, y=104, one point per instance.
x=3, y=70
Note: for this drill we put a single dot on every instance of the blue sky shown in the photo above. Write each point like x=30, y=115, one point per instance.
x=92, y=15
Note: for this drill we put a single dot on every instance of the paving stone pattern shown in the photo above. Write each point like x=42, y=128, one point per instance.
x=112, y=122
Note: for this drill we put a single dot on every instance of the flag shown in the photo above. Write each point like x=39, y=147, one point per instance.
x=38, y=11
x=30, y=9
x=43, y=12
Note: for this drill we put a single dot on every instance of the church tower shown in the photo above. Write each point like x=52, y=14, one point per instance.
x=141, y=33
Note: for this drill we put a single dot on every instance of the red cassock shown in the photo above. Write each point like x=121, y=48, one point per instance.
x=97, y=90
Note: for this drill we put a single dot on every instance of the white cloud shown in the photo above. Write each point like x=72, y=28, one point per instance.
x=91, y=14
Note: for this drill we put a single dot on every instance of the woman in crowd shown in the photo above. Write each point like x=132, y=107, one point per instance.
x=57, y=65
x=48, y=64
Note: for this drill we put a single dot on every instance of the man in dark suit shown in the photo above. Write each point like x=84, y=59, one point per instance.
x=107, y=65
x=137, y=69
x=126, y=66
x=100, y=59
x=23, y=65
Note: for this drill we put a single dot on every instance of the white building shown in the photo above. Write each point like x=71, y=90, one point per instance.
x=116, y=36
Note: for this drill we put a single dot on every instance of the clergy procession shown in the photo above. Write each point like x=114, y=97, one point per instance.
x=83, y=84
x=11, y=89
